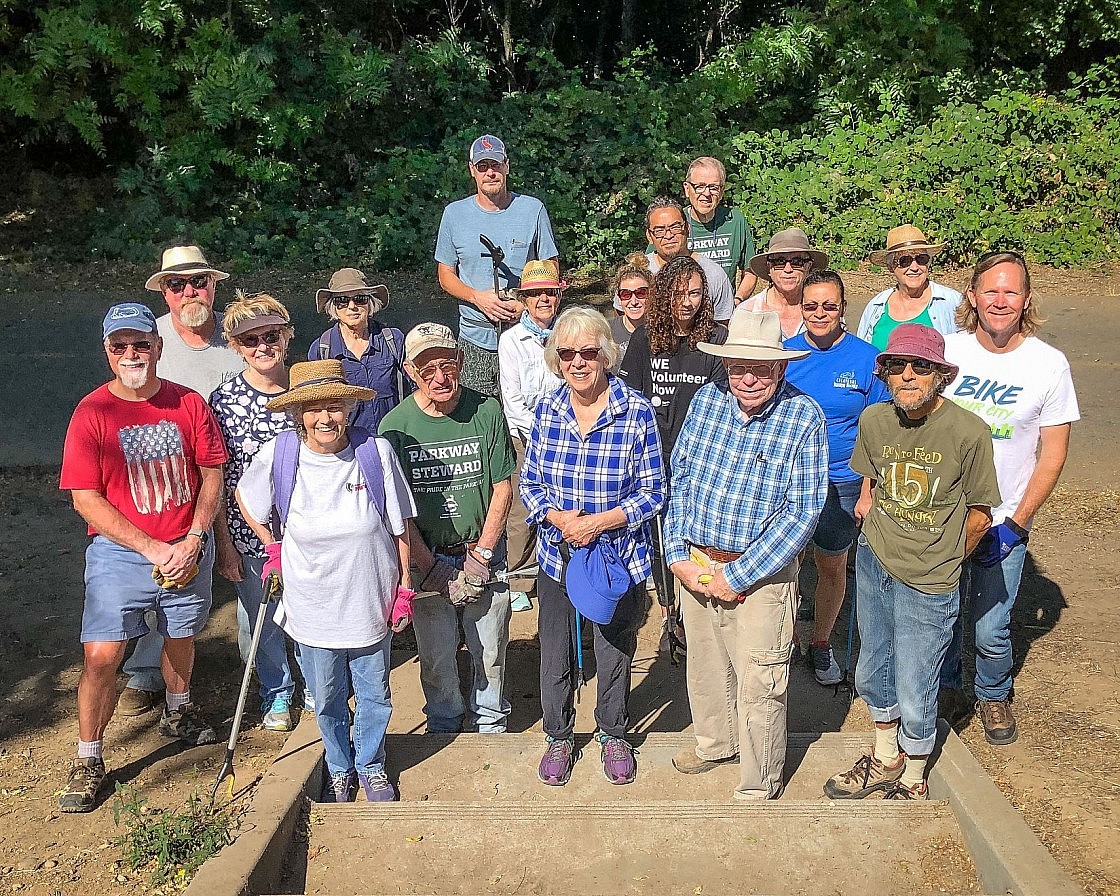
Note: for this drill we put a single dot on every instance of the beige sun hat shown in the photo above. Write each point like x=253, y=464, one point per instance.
x=350, y=282
x=542, y=274
x=906, y=238
x=317, y=381
x=792, y=239
x=753, y=336
x=183, y=261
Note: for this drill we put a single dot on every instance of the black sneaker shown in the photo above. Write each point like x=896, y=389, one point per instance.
x=186, y=725
x=80, y=792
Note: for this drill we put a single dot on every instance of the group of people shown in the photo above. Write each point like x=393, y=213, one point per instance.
x=722, y=422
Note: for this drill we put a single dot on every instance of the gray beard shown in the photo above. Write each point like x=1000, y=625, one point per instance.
x=194, y=315
x=913, y=404
x=134, y=377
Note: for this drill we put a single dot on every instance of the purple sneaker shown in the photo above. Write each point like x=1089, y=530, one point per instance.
x=340, y=788
x=377, y=787
x=619, y=765
x=556, y=764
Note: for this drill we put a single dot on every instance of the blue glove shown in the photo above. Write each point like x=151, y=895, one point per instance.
x=998, y=542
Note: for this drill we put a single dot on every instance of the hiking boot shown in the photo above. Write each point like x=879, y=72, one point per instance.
x=556, y=764
x=279, y=715
x=80, y=792
x=340, y=788
x=952, y=706
x=133, y=702
x=825, y=667
x=186, y=725
x=899, y=791
x=999, y=722
x=688, y=763
x=619, y=765
x=866, y=776
x=377, y=787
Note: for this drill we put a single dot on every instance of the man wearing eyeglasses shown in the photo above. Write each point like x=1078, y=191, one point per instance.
x=143, y=462
x=518, y=225
x=457, y=456
x=719, y=233
x=667, y=232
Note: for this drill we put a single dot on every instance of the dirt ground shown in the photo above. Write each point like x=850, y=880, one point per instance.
x=1063, y=773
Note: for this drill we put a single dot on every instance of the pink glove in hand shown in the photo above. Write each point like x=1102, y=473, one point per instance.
x=272, y=564
x=401, y=613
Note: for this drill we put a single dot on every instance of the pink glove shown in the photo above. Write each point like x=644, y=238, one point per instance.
x=401, y=614
x=272, y=564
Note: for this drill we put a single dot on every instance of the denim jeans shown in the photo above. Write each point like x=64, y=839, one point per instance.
x=330, y=674
x=435, y=620
x=989, y=595
x=904, y=636
x=273, y=671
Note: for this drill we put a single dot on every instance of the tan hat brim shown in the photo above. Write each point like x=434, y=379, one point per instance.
x=186, y=270
x=322, y=296
x=320, y=392
x=750, y=352
x=761, y=269
x=880, y=256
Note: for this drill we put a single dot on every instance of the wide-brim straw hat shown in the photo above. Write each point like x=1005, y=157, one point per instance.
x=753, y=336
x=350, y=282
x=182, y=261
x=539, y=275
x=317, y=381
x=792, y=239
x=906, y=238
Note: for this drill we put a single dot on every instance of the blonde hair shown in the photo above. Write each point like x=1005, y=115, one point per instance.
x=968, y=318
x=246, y=307
x=635, y=265
x=577, y=321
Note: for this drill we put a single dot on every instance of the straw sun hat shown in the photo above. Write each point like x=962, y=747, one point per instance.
x=317, y=381
x=906, y=238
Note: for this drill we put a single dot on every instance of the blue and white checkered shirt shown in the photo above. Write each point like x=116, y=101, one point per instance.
x=617, y=464
x=753, y=485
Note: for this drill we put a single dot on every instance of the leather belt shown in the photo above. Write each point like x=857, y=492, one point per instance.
x=456, y=550
x=720, y=556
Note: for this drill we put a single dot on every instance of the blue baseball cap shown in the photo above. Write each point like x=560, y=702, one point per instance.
x=128, y=316
x=595, y=579
x=488, y=147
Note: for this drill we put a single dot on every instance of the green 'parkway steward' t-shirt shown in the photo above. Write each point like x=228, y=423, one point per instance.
x=927, y=475
x=451, y=463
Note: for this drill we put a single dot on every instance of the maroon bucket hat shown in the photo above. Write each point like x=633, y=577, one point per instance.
x=916, y=341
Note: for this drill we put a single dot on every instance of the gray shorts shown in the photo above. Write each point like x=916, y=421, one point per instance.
x=480, y=369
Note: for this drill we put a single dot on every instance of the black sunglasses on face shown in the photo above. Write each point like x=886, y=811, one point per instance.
x=830, y=307
x=569, y=354
x=178, y=284
x=272, y=337
x=142, y=346
x=920, y=366
x=904, y=261
x=343, y=301
x=780, y=261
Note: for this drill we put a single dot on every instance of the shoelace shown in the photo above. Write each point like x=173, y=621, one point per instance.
x=379, y=778
x=558, y=749
x=340, y=783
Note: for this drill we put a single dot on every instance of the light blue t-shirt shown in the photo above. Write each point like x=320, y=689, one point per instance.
x=842, y=381
x=521, y=229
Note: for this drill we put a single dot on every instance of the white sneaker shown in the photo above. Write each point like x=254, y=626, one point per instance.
x=519, y=601
x=825, y=667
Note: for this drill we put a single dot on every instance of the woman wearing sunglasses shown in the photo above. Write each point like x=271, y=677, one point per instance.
x=786, y=263
x=371, y=353
x=630, y=290
x=914, y=298
x=258, y=328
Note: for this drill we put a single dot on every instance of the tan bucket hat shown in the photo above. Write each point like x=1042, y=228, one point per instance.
x=350, y=282
x=792, y=239
x=317, y=381
x=539, y=275
x=753, y=336
x=182, y=261
x=906, y=238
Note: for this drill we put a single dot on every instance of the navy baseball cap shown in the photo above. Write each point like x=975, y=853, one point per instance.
x=488, y=147
x=128, y=316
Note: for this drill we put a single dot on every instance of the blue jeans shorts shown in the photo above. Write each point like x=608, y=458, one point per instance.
x=120, y=590
x=836, y=528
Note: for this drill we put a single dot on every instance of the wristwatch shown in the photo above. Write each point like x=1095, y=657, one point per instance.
x=201, y=534
x=485, y=553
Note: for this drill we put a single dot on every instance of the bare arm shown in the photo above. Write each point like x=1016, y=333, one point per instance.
x=495, y=522
x=227, y=561
x=976, y=526
x=863, y=505
x=404, y=557
x=260, y=529
x=486, y=301
x=746, y=285
x=112, y=524
x=1051, y=460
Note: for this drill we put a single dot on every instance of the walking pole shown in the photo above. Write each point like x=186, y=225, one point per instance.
x=579, y=653
x=273, y=588
x=847, y=682
x=672, y=608
x=496, y=255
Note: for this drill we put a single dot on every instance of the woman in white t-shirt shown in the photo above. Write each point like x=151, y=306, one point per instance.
x=340, y=499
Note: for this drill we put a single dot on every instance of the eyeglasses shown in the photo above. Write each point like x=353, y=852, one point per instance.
x=810, y=307
x=569, y=354
x=662, y=231
x=343, y=301
x=142, y=346
x=904, y=261
x=446, y=367
x=705, y=188
x=488, y=165
x=178, y=284
x=758, y=371
x=272, y=337
x=642, y=292
x=920, y=366
x=780, y=261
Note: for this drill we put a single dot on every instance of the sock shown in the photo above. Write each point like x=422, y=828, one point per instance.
x=175, y=701
x=89, y=749
x=914, y=772
x=886, y=744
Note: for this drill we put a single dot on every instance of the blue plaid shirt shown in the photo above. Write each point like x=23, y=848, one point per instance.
x=617, y=464
x=752, y=485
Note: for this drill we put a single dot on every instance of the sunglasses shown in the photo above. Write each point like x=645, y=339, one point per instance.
x=178, y=284
x=543, y=291
x=343, y=301
x=810, y=307
x=780, y=261
x=488, y=165
x=142, y=346
x=272, y=337
x=758, y=371
x=569, y=354
x=920, y=366
x=446, y=367
x=642, y=292
x=904, y=261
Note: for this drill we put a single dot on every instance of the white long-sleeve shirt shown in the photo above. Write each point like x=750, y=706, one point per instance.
x=524, y=378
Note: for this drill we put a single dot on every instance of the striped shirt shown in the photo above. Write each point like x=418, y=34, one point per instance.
x=617, y=464
x=753, y=485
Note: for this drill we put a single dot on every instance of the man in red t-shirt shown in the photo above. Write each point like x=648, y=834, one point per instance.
x=143, y=462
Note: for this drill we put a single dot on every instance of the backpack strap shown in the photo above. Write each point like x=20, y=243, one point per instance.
x=285, y=462
x=325, y=345
x=369, y=462
x=391, y=344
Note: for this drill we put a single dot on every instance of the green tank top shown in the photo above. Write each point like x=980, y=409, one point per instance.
x=885, y=324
